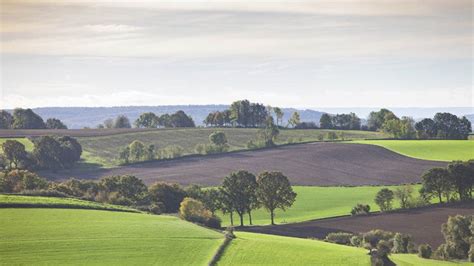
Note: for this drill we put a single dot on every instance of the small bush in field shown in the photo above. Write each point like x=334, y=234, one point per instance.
x=360, y=209
x=339, y=238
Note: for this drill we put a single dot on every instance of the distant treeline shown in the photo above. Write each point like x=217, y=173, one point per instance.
x=27, y=119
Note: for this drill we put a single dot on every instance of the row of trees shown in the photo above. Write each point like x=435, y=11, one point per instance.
x=27, y=119
x=340, y=121
x=49, y=153
x=442, y=126
x=151, y=120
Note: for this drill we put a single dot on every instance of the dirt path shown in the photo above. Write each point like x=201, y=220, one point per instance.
x=320, y=164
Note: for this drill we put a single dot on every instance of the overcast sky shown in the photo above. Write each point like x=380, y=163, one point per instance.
x=308, y=54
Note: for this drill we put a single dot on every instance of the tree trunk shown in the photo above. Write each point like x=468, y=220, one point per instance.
x=440, y=197
x=241, y=219
x=272, y=215
x=232, y=218
x=250, y=217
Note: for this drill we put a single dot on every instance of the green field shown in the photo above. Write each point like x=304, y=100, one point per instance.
x=318, y=202
x=65, y=236
x=36, y=201
x=251, y=248
x=104, y=150
x=436, y=150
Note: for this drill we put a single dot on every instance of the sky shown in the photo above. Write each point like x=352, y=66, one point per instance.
x=310, y=54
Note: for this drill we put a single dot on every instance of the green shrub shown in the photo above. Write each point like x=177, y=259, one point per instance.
x=424, y=251
x=402, y=243
x=170, y=195
x=200, y=148
x=339, y=238
x=171, y=152
x=360, y=209
x=156, y=208
x=19, y=180
x=356, y=240
x=213, y=222
x=373, y=237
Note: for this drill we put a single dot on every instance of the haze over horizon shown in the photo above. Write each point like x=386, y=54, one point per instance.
x=313, y=54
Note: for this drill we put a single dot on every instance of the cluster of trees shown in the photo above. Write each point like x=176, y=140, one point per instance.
x=49, y=153
x=27, y=119
x=455, y=182
x=151, y=120
x=217, y=144
x=266, y=136
x=442, y=126
x=137, y=151
x=340, y=121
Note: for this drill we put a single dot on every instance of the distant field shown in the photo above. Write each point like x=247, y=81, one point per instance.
x=436, y=150
x=65, y=237
x=107, y=147
x=54, y=202
x=318, y=202
x=250, y=248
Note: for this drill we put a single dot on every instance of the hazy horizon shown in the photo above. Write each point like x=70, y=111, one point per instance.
x=314, y=54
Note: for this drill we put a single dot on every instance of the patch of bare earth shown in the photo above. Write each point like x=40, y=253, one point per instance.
x=423, y=224
x=318, y=164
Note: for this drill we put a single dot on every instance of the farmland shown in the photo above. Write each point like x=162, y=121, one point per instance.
x=405, y=221
x=320, y=164
x=319, y=202
x=60, y=236
x=436, y=150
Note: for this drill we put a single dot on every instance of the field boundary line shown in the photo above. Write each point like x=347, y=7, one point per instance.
x=220, y=251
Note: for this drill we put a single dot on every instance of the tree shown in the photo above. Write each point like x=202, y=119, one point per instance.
x=462, y=178
x=218, y=138
x=170, y=195
x=226, y=204
x=436, y=182
x=279, y=114
x=6, y=120
x=384, y=199
x=377, y=119
x=294, y=119
x=269, y=133
x=404, y=194
x=71, y=151
x=193, y=210
x=14, y=152
x=109, y=123
x=47, y=153
x=240, y=188
x=325, y=121
x=426, y=129
x=211, y=199
x=124, y=155
x=181, y=119
x=457, y=233
x=137, y=150
x=274, y=192
x=128, y=189
x=147, y=120
x=122, y=122
x=27, y=119
x=53, y=123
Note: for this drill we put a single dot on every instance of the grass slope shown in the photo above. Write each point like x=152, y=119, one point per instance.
x=318, y=202
x=64, y=237
x=104, y=150
x=436, y=150
x=12, y=201
x=414, y=260
x=251, y=248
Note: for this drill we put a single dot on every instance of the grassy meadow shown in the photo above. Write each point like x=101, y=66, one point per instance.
x=54, y=202
x=436, y=150
x=66, y=236
x=318, y=202
x=260, y=249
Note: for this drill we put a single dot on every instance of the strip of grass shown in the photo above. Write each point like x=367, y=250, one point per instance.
x=319, y=202
x=251, y=248
x=85, y=237
x=436, y=150
x=17, y=201
x=414, y=260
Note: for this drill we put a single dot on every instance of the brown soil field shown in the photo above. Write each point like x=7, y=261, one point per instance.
x=320, y=164
x=423, y=224
x=20, y=133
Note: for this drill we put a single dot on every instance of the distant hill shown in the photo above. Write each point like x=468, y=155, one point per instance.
x=79, y=117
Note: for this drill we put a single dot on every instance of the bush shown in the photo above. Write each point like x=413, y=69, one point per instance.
x=373, y=237
x=254, y=144
x=156, y=208
x=213, y=222
x=356, y=241
x=19, y=180
x=44, y=193
x=360, y=209
x=424, y=251
x=402, y=243
x=194, y=211
x=170, y=195
x=331, y=135
x=171, y=152
x=339, y=238
x=200, y=148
